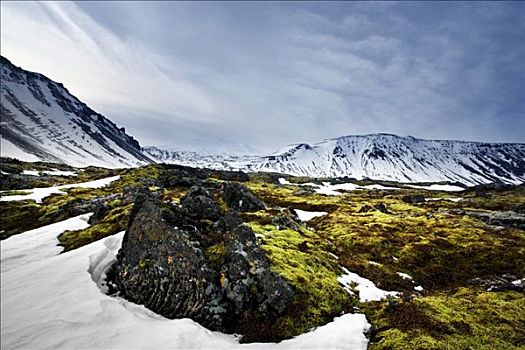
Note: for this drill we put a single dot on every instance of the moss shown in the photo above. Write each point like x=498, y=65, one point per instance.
x=216, y=254
x=466, y=319
x=440, y=249
x=299, y=257
x=115, y=221
x=17, y=217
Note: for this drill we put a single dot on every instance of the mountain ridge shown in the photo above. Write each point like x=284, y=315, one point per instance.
x=379, y=157
x=41, y=119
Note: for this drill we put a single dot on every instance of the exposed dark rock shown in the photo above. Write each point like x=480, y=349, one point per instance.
x=231, y=175
x=413, y=199
x=520, y=208
x=496, y=218
x=181, y=266
x=101, y=210
x=287, y=219
x=379, y=207
x=382, y=208
x=198, y=204
x=499, y=283
x=239, y=197
x=365, y=209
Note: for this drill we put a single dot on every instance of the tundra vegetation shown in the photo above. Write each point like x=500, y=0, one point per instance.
x=452, y=262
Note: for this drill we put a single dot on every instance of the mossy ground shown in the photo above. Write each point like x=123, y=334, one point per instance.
x=439, y=248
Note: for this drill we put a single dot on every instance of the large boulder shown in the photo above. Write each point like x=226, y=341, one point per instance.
x=178, y=264
x=240, y=197
x=198, y=204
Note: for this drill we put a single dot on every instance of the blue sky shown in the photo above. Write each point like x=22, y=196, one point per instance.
x=253, y=76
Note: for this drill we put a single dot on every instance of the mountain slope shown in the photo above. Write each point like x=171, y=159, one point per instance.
x=406, y=159
x=41, y=120
x=379, y=157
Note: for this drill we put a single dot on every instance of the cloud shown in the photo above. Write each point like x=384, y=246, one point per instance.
x=265, y=75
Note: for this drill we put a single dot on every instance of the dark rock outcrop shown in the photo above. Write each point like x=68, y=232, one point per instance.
x=499, y=283
x=496, y=218
x=198, y=204
x=239, y=197
x=194, y=261
x=101, y=210
x=413, y=199
x=379, y=207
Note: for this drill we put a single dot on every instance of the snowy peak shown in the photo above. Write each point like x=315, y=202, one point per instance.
x=396, y=158
x=41, y=120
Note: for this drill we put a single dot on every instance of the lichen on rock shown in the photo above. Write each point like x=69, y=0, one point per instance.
x=195, y=261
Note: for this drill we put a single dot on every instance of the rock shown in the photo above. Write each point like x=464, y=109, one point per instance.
x=379, y=207
x=365, y=209
x=101, y=210
x=382, y=208
x=287, y=219
x=499, y=283
x=413, y=199
x=178, y=265
x=304, y=191
x=239, y=197
x=198, y=204
x=232, y=175
x=499, y=218
x=303, y=246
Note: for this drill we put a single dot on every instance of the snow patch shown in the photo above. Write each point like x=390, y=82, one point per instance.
x=283, y=181
x=366, y=288
x=50, y=301
x=308, y=215
x=436, y=187
x=451, y=199
x=30, y=172
x=39, y=193
x=56, y=172
x=405, y=276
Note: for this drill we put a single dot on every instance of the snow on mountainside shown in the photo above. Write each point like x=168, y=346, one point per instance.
x=379, y=157
x=405, y=159
x=195, y=159
x=41, y=120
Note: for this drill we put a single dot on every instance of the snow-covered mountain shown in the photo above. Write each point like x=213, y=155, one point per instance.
x=406, y=159
x=381, y=157
x=201, y=160
x=41, y=120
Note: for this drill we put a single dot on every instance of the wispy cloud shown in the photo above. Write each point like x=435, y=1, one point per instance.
x=265, y=74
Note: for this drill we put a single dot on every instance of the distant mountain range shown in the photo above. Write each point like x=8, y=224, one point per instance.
x=41, y=120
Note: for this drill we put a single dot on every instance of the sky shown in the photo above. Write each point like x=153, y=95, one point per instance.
x=252, y=77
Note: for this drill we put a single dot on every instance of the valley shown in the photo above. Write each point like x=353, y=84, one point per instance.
x=428, y=265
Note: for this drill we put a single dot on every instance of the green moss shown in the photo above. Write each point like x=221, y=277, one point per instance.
x=466, y=319
x=17, y=217
x=216, y=254
x=115, y=221
x=299, y=257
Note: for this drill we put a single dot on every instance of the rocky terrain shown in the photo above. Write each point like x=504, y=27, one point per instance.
x=430, y=266
x=195, y=261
